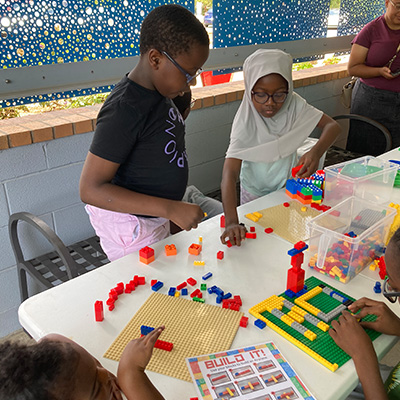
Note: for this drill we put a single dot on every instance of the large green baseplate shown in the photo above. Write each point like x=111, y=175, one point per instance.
x=322, y=348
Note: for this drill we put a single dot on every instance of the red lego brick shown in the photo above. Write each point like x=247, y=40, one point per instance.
x=244, y=321
x=228, y=243
x=222, y=221
x=141, y=280
x=220, y=255
x=335, y=213
x=111, y=307
x=181, y=286
x=299, y=245
x=286, y=204
x=110, y=301
x=195, y=249
x=197, y=293
x=146, y=252
x=238, y=300
x=162, y=345
x=297, y=260
x=98, y=311
x=250, y=235
x=191, y=281
x=153, y=282
x=268, y=230
x=295, y=170
x=295, y=280
x=252, y=229
x=119, y=288
x=234, y=306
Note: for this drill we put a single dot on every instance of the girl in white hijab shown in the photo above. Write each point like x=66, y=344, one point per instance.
x=271, y=123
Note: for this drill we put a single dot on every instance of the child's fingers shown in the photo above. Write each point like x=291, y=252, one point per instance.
x=152, y=337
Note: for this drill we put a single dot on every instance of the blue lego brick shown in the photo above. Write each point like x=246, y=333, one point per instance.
x=291, y=186
x=260, y=324
x=227, y=296
x=377, y=287
x=211, y=289
x=301, y=292
x=290, y=293
x=219, y=299
x=157, y=286
x=184, y=292
x=207, y=276
x=293, y=252
x=144, y=330
x=171, y=291
x=218, y=291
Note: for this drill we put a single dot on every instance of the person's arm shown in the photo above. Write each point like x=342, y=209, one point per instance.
x=386, y=320
x=132, y=378
x=346, y=332
x=230, y=174
x=330, y=131
x=356, y=65
x=96, y=189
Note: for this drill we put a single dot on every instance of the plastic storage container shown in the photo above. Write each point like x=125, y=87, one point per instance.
x=368, y=178
x=334, y=251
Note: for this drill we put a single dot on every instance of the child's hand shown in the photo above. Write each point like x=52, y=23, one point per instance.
x=235, y=233
x=386, y=322
x=186, y=215
x=310, y=162
x=137, y=352
x=346, y=332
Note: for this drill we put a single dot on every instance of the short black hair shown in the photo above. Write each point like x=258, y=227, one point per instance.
x=171, y=28
x=43, y=370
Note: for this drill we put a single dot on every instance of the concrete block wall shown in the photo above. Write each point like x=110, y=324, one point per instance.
x=43, y=178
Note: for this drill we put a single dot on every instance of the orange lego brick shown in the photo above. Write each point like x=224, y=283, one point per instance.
x=170, y=250
x=195, y=249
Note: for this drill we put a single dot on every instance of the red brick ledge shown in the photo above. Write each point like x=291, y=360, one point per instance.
x=30, y=129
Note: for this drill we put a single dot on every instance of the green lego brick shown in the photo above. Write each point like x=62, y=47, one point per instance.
x=203, y=286
x=323, y=344
x=198, y=300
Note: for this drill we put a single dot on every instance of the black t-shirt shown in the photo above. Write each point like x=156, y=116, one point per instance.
x=143, y=131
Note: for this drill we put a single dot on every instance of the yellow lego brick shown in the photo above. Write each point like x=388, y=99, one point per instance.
x=295, y=316
x=229, y=391
x=257, y=214
x=310, y=335
x=287, y=320
x=251, y=386
x=299, y=311
x=323, y=326
x=177, y=293
x=275, y=380
x=252, y=217
x=197, y=263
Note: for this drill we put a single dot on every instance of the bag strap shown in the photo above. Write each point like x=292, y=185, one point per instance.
x=389, y=64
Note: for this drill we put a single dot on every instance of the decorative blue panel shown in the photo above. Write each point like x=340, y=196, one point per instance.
x=355, y=14
x=247, y=22
x=36, y=32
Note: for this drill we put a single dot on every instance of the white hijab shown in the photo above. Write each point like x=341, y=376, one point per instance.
x=258, y=139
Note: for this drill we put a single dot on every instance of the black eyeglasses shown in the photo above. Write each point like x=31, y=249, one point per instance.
x=189, y=77
x=388, y=291
x=262, y=97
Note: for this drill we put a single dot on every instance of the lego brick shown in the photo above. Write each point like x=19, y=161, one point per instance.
x=98, y=311
x=146, y=252
x=170, y=250
x=144, y=329
x=268, y=230
x=195, y=249
x=198, y=263
x=222, y=221
x=203, y=286
x=184, y=292
x=157, y=286
x=220, y=255
x=252, y=229
x=244, y=321
x=146, y=260
x=250, y=235
x=206, y=276
x=181, y=286
x=183, y=320
x=191, y=281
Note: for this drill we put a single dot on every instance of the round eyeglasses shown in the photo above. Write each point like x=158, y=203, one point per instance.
x=388, y=292
x=262, y=97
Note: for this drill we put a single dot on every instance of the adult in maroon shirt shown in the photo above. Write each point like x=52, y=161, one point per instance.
x=377, y=92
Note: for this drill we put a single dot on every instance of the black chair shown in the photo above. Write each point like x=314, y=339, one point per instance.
x=58, y=266
x=383, y=129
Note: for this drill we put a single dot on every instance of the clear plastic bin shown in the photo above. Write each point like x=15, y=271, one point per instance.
x=342, y=257
x=368, y=178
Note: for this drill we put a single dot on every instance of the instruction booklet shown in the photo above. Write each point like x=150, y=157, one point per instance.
x=258, y=372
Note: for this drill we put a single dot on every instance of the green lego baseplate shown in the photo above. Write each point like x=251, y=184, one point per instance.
x=322, y=348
